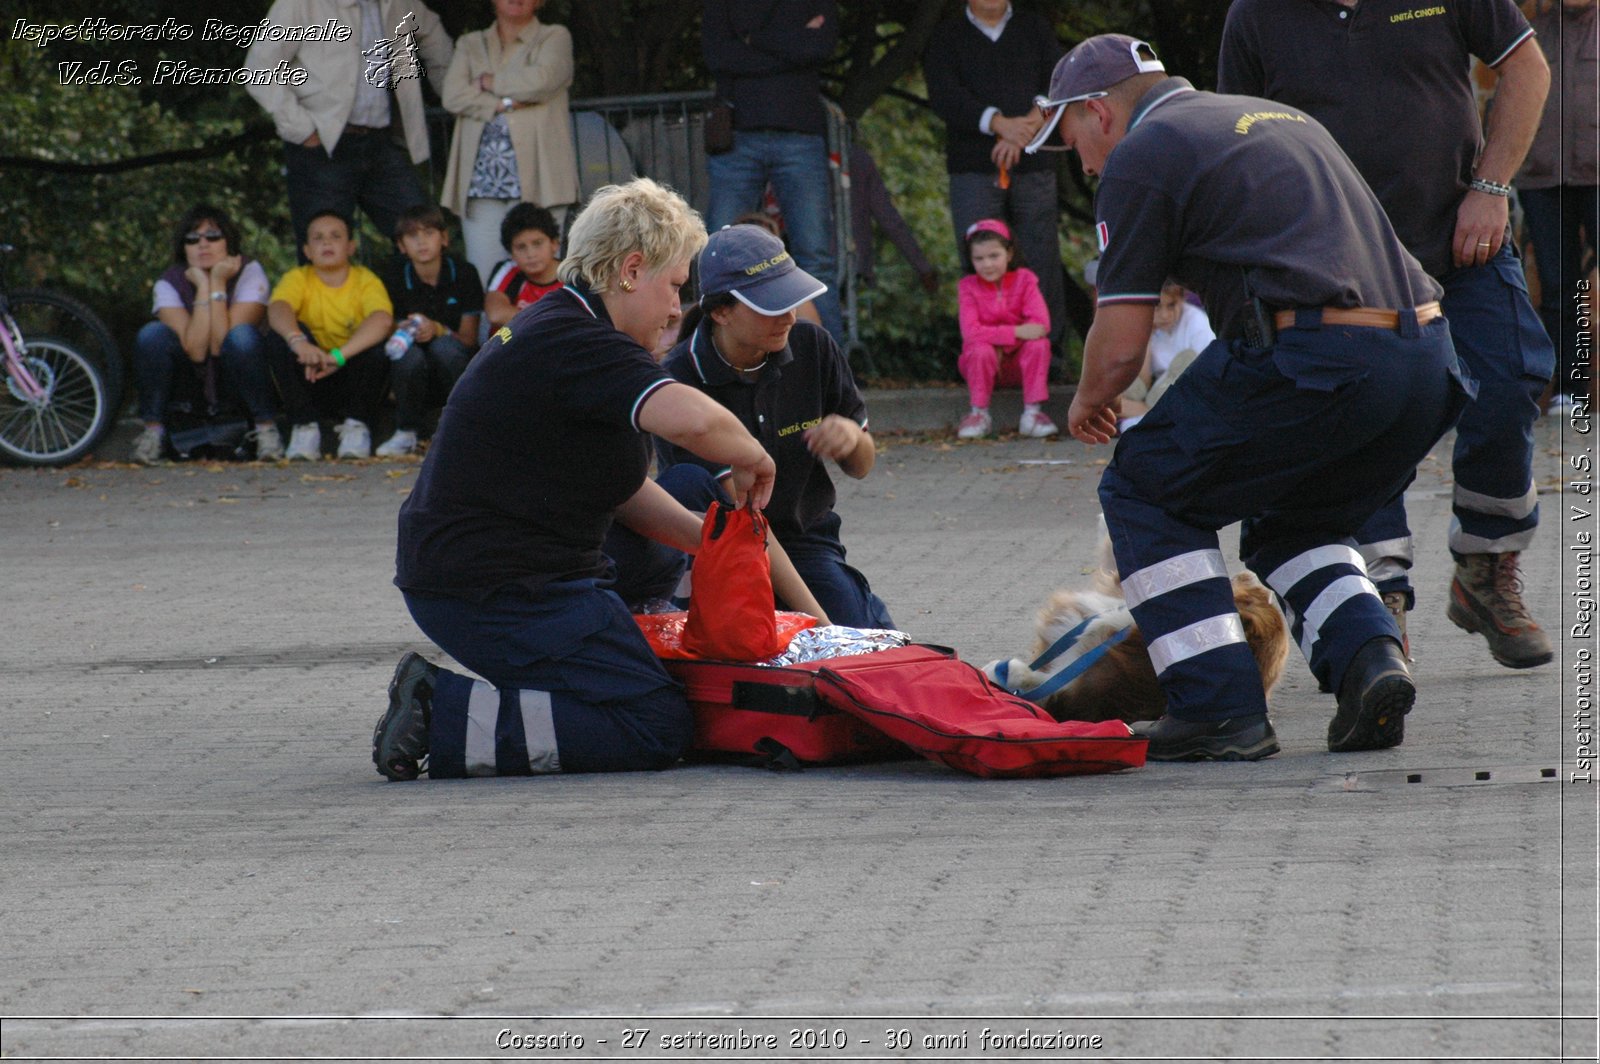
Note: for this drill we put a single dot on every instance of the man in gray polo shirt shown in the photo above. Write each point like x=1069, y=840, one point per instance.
x=1300, y=422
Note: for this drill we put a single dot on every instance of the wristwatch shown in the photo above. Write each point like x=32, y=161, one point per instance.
x=507, y=103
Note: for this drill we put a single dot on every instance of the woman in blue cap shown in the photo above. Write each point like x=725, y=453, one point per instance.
x=791, y=387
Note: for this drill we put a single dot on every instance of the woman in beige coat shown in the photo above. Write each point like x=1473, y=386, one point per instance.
x=507, y=87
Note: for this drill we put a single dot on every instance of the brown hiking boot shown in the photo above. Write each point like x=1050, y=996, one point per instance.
x=1486, y=597
x=1395, y=602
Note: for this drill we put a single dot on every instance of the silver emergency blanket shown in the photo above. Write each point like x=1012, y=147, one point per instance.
x=837, y=641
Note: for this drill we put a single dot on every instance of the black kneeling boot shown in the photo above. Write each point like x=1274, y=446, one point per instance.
x=1230, y=739
x=1375, y=695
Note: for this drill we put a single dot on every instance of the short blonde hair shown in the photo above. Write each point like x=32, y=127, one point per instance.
x=640, y=216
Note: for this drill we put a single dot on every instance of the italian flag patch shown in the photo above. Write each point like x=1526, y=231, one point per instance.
x=1102, y=235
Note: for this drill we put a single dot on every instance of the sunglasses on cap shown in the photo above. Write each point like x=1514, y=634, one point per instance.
x=1144, y=60
x=1052, y=111
x=212, y=235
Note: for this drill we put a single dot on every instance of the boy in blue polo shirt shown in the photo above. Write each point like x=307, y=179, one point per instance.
x=446, y=295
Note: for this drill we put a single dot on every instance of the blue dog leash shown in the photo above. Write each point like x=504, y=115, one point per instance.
x=1055, y=650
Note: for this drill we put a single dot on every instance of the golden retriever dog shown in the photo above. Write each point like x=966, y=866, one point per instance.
x=1122, y=684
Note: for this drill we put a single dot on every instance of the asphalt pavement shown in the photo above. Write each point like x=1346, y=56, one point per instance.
x=200, y=862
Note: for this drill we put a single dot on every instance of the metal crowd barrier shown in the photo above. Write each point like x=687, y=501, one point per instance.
x=662, y=136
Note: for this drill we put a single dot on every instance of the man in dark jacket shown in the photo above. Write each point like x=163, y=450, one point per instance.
x=765, y=55
x=984, y=67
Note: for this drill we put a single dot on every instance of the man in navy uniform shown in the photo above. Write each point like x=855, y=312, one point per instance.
x=1392, y=82
x=1332, y=376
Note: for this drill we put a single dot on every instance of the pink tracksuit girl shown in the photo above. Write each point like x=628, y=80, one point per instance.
x=990, y=313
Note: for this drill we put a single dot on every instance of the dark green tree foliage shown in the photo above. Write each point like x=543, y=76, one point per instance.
x=92, y=172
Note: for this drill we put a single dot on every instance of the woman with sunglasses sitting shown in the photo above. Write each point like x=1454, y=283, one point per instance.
x=206, y=339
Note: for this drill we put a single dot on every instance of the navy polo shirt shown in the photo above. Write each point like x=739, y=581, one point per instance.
x=1391, y=80
x=1211, y=189
x=538, y=445
x=457, y=293
x=799, y=386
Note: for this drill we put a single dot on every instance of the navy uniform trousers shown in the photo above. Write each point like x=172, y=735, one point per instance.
x=1302, y=442
x=1504, y=348
x=572, y=686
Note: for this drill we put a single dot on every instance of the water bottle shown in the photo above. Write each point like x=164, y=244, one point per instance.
x=403, y=338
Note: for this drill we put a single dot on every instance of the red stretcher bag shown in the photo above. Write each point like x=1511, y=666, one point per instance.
x=950, y=712
x=770, y=715
x=882, y=707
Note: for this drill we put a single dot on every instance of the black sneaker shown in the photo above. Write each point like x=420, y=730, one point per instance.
x=1230, y=739
x=1374, y=697
x=400, y=741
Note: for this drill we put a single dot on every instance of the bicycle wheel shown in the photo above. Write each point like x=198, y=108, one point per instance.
x=68, y=417
x=44, y=312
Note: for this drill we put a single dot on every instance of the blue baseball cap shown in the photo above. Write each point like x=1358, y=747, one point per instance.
x=753, y=266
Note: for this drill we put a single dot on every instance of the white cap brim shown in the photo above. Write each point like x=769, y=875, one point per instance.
x=780, y=295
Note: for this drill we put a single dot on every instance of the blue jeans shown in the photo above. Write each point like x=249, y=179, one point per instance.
x=159, y=358
x=368, y=169
x=572, y=686
x=424, y=376
x=1557, y=218
x=1503, y=347
x=797, y=166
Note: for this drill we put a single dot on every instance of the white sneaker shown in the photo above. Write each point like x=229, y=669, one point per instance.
x=1037, y=424
x=269, y=445
x=1560, y=405
x=305, y=443
x=354, y=439
x=402, y=443
x=149, y=447
x=974, y=426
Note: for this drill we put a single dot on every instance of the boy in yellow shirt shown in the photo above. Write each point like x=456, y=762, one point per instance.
x=328, y=322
